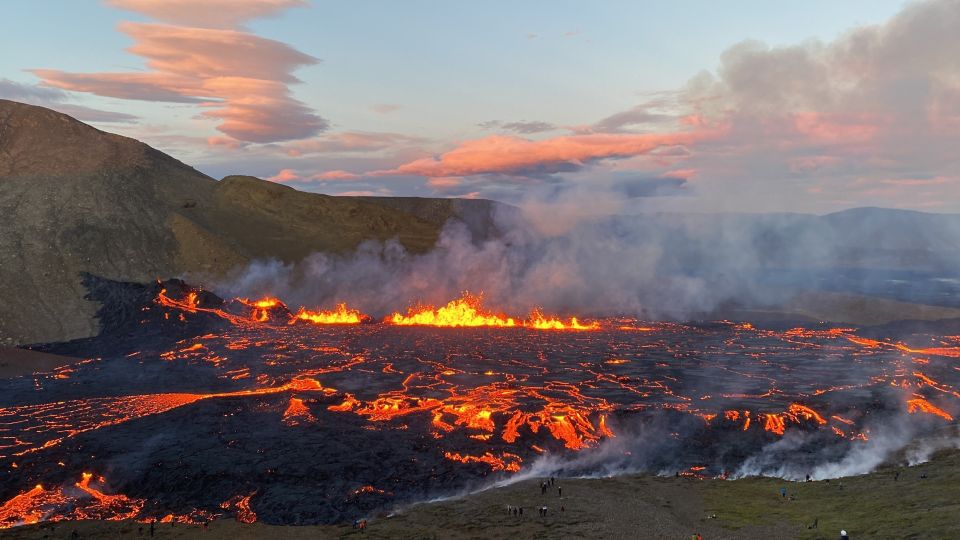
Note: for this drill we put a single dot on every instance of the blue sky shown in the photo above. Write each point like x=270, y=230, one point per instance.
x=397, y=82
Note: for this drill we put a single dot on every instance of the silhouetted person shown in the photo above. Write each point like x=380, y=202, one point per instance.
x=152, y=524
x=560, y=492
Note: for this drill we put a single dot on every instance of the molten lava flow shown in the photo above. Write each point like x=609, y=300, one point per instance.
x=540, y=322
x=57, y=504
x=297, y=413
x=341, y=315
x=464, y=311
x=468, y=311
x=775, y=424
x=260, y=309
x=112, y=507
x=506, y=461
x=25, y=508
x=190, y=304
x=801, y=411
x=918, y=404
x=240, y=506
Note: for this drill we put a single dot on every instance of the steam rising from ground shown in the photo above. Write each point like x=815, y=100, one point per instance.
x=643, y=449
x=649, y=265
x=587, y=271
x=653, y=266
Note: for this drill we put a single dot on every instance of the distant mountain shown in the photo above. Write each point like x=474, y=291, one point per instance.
x=74, y=199
x=860, y=238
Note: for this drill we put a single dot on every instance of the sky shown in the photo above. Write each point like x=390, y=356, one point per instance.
x=615, y=106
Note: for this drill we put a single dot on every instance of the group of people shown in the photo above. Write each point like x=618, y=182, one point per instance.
x=542, y=510
x=518, y=510
x=547, y=484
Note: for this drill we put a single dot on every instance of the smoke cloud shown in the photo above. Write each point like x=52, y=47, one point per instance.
x=561, y=256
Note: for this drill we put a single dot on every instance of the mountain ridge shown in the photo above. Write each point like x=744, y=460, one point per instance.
x=78, y=200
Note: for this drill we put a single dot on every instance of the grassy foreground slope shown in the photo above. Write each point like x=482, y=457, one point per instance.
x=924, y=502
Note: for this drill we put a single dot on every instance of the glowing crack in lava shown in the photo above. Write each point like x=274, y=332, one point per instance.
x=293, y=423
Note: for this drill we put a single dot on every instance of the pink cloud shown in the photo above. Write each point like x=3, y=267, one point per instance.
x=225, y=142
x=349, y=142
x=499, y=154
x=916, y=182
x=683, y=174
x=291, y=175
x=140, y=86
x=445, y=182
x=837, y=128
x=285, y=175
x=240, y=78
x=209, y=13
x=364, y=193
x=335, y=176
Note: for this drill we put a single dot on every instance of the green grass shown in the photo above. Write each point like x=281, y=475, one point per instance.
x=868, y=506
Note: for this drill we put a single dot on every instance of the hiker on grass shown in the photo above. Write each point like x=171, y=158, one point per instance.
x=843, y=535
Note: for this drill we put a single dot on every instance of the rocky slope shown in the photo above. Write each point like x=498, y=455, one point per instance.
x=75, y=199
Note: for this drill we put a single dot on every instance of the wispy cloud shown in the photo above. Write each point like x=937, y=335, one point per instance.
x=209, y=13
x=522, y=127
x=58, y=100
x=498, y=154
x=240, y=79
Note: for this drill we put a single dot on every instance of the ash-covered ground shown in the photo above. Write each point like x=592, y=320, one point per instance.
x=189, y=410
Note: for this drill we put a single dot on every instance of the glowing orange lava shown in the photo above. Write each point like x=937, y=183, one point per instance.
x=466, y=311
x=240, y=505
x=918, y=404
x=506, y=462
x=340, y=315
x=297, y=413
x=261, y=308
x=540, y=322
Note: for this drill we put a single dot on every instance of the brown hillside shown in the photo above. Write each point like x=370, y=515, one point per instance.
x=75, y=199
